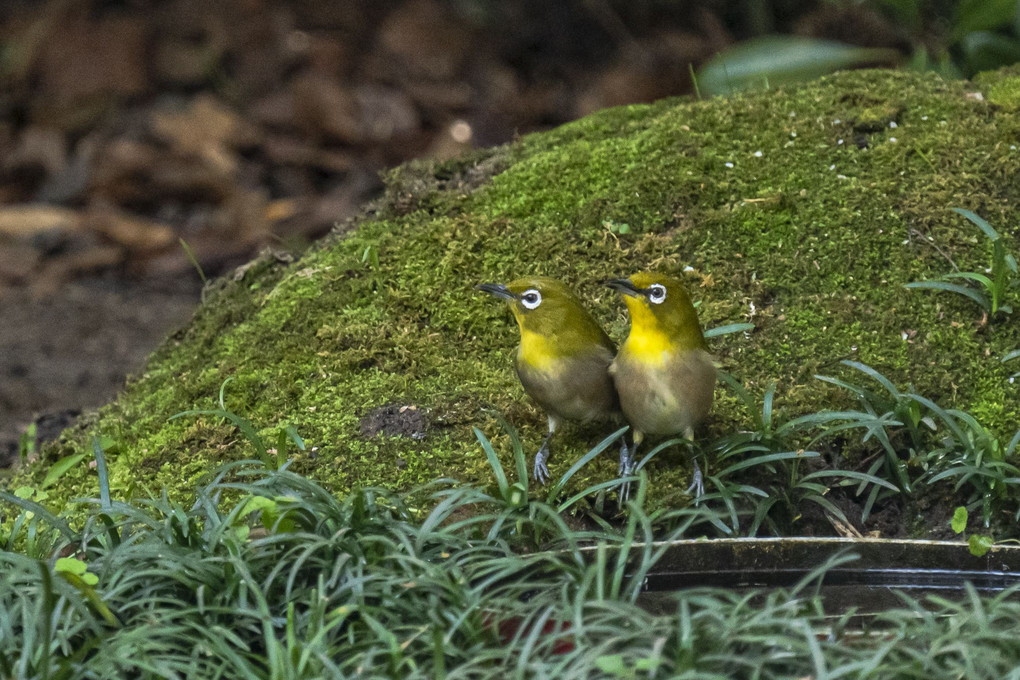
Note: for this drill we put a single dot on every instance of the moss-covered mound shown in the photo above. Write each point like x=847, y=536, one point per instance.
x=801, y=210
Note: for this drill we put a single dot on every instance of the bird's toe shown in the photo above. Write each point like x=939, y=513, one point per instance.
x=540, y=472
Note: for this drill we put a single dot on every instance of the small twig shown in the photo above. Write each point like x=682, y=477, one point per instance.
x=832, y=361
x=936, y=247
x=842, y=528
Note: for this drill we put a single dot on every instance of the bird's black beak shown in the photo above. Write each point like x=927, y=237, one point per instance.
x=624, y=286
x=497, y=289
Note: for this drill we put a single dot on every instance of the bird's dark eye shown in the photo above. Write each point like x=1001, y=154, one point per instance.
x=657, y=293
x=531, y=299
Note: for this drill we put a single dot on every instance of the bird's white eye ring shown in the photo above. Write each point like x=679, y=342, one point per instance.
x=657, y=293
x=531, y=299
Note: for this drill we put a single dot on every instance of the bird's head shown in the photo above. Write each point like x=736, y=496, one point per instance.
x=660, y=303
x=546, y=307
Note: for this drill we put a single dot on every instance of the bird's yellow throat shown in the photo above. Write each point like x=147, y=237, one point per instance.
x=647, y=342
x=537, y=351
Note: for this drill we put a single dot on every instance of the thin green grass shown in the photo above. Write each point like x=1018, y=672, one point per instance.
x=267, y=575
x=992, y=290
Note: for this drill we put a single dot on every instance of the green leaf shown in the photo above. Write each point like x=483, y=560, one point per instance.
x=293, y=435
x=981, y=223
x=729, y=328
x=26, y=445
x=1012, y=446
x=851, y=475
x=959, y=521
x=971, y=276
x=256, y=503
x=768, y=458
x=611, y=663
x=647, y=664
x=84, y=582
x=773, y=60
x=874, y=375
x=104, y=477
x=981, y=15
x=555, y=489
x=616, y=227
x=516, y=447
x=979, y=545
x=906, y=12
x=71, y=565
x=60, y=468
x=518, y=495
x=827, y=505
x=974, y=295
x=766, y=409
x=985, y=50
x=107, y=442
x=497, y=467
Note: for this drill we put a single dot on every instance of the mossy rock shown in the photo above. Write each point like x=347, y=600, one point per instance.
x=782, y=208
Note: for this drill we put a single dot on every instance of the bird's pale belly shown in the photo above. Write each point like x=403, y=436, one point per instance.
x=578, y=388
x=666, y=400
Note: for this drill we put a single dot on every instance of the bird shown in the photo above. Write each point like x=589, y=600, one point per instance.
x=563, y=358
x=663, y=373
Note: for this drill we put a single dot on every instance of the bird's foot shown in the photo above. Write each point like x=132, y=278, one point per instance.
x=624, y=492
x=540, y=471
x=697, y=483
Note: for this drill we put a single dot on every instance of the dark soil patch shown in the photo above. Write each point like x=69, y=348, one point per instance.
x=395, y=420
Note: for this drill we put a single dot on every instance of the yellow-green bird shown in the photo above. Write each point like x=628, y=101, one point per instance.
x=663, y=372
x=564, y=356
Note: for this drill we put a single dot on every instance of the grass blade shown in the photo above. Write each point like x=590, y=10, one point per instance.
x=980, y=222
x=952, y=288
x=584, y=460
x=497, y=467
x=728, y=329
x=104, y=477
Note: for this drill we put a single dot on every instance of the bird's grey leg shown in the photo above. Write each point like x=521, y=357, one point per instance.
x=626, y=467
x=697, y=482
x=540, y=472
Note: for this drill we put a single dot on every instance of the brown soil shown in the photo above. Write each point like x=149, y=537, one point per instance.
x=71, y=351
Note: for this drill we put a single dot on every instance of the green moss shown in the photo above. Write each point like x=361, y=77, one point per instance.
x=1002, y=87
x=801, y=210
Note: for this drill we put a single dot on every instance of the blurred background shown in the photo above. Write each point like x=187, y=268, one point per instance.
x=147, y=145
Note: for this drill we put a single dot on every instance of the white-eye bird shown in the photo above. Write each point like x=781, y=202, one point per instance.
x=564, y=356
x=663, y=373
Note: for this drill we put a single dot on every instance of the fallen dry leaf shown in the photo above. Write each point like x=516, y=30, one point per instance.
x=28, y=219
